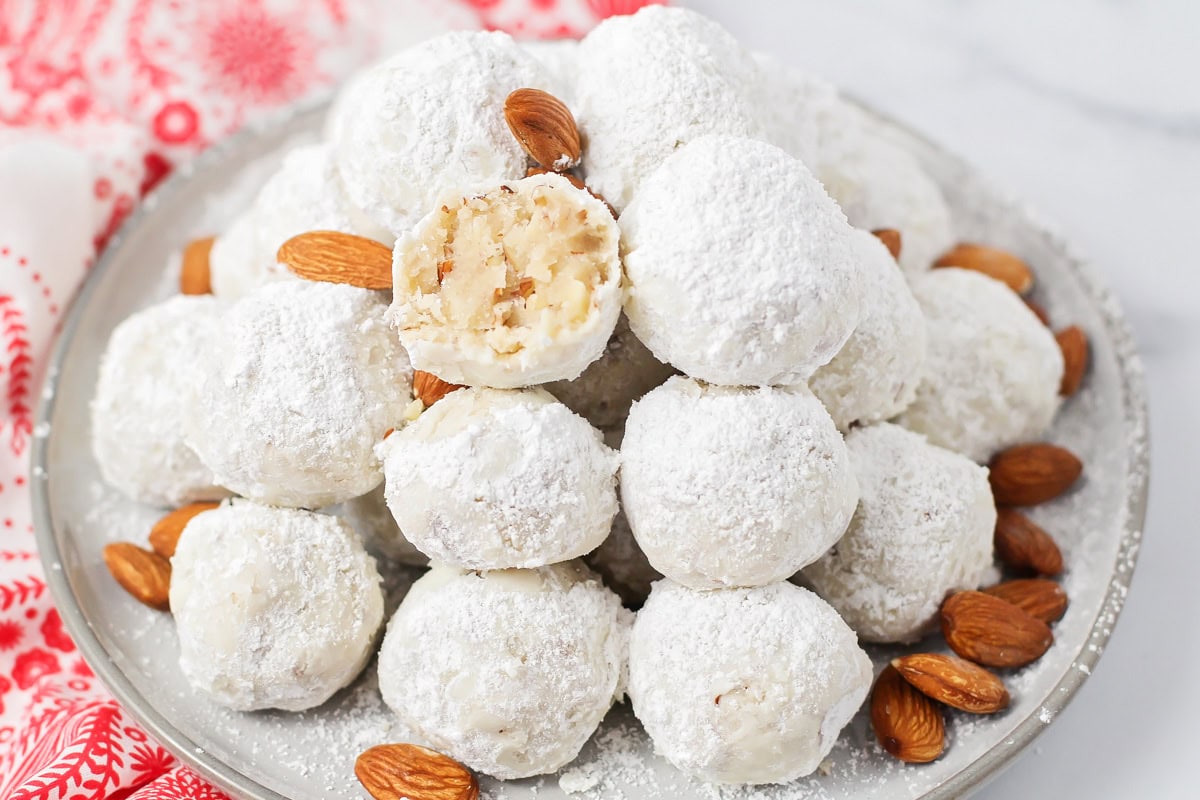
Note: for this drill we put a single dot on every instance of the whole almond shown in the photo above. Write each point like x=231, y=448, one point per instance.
x=1074, y=345
x=954, y=681
x=1029, y=474
x=1038, y=597
x=907, y=723
x=891, y=239
x=333, y=257
x=195, y=276
x=165, y=533
x=1039, y=311
x=429, y=388
x=991, y=261
x=992, y=632
x=144, y=574
x=1023, y=545
x=411, y=772
x=545, y=128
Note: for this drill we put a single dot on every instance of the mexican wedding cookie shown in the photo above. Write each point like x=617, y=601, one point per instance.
x=993, y=369
x=651, y=82
x=744, y=685
x=879, y=184
x=742, y=270
x=274, y=607
x=297, y=387
x=138, y=412
x=305, y=194
x=729, y=486
x=526, y=664
x=515, y=286
x=491, y=479
x=923, y=529
x=875, y=374
x=430, y=119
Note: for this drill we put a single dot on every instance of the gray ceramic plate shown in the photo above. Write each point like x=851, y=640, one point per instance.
x=310, y=755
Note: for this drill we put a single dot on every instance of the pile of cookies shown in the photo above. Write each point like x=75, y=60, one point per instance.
x=647, y=302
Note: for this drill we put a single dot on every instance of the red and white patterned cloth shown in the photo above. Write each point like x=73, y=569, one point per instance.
x=98, y=99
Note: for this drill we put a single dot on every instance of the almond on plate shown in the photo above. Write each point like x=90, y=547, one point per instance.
x=165, y=533
x=412, y=772
x=194, y=271
x=907, y=723
x=1023, y=545
x=144, y=574
x=993, y=632
x=1074, y=345
x=1037, y=597
x=991, y=261
x=891, y=239
x=1029, y=474
x=954, y=681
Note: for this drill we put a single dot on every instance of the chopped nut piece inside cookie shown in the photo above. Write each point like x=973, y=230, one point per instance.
x=516, y=286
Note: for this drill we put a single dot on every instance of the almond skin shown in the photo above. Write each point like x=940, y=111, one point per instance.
x=907, y=723
x=411, y=772
x=144, y=574
x=1038, y=597
x=1073, y=343
x=429, y=388
x=992, y=632
x=1029, y=474
x=545, y=128
x=954, y=681
x=1023, y=545
x=165, y=533
x=891, y=239
x=991, y=261
x=194, y=273
x=333, y=257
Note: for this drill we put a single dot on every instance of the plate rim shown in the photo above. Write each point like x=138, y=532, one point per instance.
x=969, y=779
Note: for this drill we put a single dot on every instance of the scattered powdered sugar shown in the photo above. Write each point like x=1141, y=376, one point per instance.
x=527, y=663
x=923, y=528
x=275, y=608
x=875, y=374
x=744, y=685
x=992, y=371
x=728, y=486
x=430, y=120
x=138, y=409
x=492, y=479
x=298, y=385
x=652, y=82
x=725, y=304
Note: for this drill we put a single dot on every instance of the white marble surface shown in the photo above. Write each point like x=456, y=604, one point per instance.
x=1090, y=110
